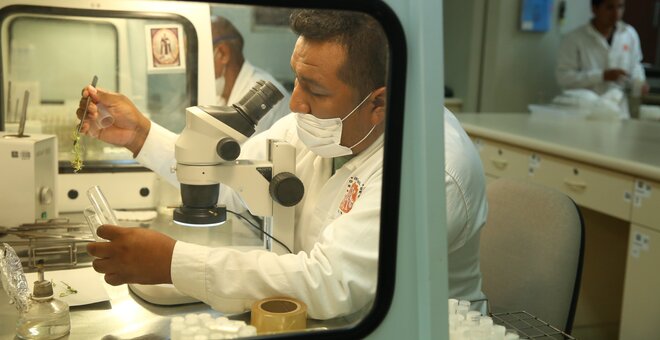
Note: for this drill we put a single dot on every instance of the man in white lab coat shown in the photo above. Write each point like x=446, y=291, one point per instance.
x=340, y=62
x=235, y=76
x=603, y=54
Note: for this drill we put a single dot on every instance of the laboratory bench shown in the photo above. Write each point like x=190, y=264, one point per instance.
x=127, y=316
x=611, y=169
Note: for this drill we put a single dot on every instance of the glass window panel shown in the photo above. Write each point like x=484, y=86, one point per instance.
x=47, y=51
x=53, y=56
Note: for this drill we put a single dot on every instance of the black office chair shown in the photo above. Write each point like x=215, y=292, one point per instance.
x=532, y=251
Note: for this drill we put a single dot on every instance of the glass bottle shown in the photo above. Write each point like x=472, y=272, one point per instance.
x=45, y=317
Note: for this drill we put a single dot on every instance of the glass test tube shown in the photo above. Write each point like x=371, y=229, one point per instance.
x=101, y=206
x=93, y=222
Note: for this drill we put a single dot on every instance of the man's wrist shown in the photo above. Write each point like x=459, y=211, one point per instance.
x=141, y=134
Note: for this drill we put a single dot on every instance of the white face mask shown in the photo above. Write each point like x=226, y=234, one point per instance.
x=220, y=86
x=322, y=136
x=219, y=89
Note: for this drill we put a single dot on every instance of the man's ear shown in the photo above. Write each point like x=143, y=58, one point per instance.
x=223, y=53
x=379, y=103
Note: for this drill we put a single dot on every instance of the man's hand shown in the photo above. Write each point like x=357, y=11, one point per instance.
x=133, y=255
x=130, y=127
x=614, y=74
x=646, y=88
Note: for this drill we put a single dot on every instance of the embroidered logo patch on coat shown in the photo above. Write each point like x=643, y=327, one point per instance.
x=353, y=192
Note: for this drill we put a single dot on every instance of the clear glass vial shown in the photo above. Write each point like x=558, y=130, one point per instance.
x=45, y=317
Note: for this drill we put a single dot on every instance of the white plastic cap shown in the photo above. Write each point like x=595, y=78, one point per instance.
x=473, y=316
x=462, y=310
x=499, y=329
x=246, y=331
x=455, y=321
x=452, y=304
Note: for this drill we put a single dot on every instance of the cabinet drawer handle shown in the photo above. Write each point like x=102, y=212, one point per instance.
x=499, y=163
x=578, y=186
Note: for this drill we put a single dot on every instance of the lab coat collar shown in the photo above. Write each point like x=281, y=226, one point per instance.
x=618, y=29
x=375, y=147
x=591, y=31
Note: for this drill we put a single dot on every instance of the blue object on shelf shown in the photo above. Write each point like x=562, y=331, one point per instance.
x=535, y=16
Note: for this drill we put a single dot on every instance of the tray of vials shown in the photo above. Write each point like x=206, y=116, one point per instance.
x=529, y=326
x=467, y=322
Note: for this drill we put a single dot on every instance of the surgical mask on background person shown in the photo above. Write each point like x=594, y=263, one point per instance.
x=220, y=86
x=322, y=136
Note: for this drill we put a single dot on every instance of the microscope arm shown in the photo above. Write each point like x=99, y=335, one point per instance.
x=206, y=153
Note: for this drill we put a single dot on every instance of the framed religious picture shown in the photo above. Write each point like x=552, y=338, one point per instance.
x=165, y=48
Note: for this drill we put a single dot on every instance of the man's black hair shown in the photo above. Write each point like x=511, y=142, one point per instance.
x=365, y=67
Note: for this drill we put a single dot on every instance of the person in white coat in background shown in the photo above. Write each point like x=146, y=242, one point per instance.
x=603, y=54
x=339, y=104
x=235, y=76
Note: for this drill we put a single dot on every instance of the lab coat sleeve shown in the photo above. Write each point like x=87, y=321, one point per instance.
x=465, y=185
x=157, y=153
x=638, y=57
x=457, y=212
x=568, y=72
x=337, y=277
x=466, y=207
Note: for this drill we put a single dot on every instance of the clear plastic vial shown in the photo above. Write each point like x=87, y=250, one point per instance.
x=45, y=317
x=101, y=206
x=103, y=120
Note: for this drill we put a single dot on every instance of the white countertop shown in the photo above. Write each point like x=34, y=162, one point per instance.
x=628, y=146
x=125, y=315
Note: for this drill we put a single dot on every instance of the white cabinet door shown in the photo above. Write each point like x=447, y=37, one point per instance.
x=646, y=204
x=641, y=298
x=602, y=190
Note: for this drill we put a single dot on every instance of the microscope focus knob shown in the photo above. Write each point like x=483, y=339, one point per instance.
x=228, y=149
x=286, y=189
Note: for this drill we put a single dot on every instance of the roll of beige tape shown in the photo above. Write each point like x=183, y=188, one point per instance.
x=279, y=314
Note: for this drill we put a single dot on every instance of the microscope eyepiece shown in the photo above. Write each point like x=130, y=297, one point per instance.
x=244, y=115
x=258, y=101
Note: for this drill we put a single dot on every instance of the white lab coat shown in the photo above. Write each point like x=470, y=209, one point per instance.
x=246, y=79
x=334, y=267
x=584, y=54
x=467, y=208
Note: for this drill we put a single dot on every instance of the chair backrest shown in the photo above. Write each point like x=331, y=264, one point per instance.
x=531, y=251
